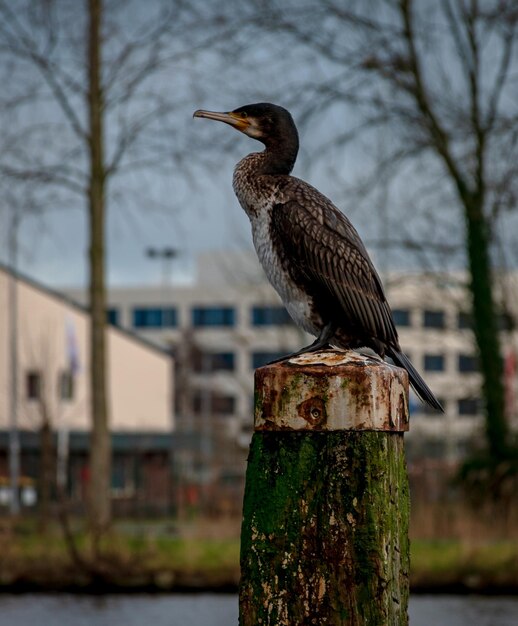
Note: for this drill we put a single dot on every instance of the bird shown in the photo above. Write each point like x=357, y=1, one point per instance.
x=310, y=251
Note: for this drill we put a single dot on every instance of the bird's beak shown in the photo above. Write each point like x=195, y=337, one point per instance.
x=234, y=119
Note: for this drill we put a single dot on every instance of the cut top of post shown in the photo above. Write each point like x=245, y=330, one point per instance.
x=331, y=390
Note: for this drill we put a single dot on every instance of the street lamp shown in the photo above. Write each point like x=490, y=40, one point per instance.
x=166, y=255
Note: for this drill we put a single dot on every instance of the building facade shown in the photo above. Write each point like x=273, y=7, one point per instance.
x=44, y=339
x=229, y=321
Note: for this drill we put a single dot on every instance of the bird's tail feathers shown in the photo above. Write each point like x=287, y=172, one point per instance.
x=420, y=387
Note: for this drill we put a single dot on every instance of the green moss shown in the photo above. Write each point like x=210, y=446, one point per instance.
x=345, y=383
x=258, y=403
x=324, y=519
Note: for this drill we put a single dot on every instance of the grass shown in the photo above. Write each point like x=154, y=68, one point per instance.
x=485, y=566
x=139, y=557
x=147, y=556
x=191, y=554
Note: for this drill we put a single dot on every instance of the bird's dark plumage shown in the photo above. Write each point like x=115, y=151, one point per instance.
x=310, y=251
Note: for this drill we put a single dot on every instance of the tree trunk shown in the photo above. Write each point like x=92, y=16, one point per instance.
x=486, y=328
x=100, y=452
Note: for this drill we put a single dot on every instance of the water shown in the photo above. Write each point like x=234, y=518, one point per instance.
x=463, y=611
x=221, y=610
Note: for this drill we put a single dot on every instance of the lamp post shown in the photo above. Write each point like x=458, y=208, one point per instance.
x=166, y=255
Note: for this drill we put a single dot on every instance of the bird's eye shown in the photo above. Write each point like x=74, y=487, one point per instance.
x=243, y=114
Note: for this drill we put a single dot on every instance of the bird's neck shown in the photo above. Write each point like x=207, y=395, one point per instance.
x=253, y=192
x=279, y=156
x=252, y=184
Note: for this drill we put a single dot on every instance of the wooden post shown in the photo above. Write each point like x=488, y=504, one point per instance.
x=325, y=520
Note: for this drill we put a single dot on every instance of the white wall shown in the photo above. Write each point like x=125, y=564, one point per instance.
x=140, y=377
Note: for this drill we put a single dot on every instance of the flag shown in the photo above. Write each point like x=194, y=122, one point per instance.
x=74, y=365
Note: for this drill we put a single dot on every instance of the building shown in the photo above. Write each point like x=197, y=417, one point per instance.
x=229, y=321
x=52, y=357
x=432, y=315
x=220, y=328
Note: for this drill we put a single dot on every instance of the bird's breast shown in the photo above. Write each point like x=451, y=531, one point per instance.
x=258, y=195
x=298, y=302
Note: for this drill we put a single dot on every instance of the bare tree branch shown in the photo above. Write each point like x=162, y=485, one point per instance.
x=26, y=48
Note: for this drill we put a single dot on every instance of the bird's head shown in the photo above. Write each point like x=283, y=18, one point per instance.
x=266, y=122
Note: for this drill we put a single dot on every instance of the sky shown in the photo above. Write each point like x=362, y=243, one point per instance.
x=54, y=246
x=184, y=199
x=189, y=206
x=192, y=209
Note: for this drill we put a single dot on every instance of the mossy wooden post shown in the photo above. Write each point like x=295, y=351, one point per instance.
x=325, y=521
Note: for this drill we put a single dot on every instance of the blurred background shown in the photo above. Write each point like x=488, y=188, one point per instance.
x=134, y=312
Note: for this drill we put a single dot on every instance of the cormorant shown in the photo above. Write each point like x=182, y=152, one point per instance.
x=311, y=253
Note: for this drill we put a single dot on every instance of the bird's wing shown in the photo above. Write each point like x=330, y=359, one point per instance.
x=324, y=247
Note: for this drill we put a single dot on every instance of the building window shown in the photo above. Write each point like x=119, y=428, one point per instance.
x=434, y=362
x=270, y=316
x=213, y=362
x=112, y=316
x=154, y=317
x=504, y=321
x=468, y=363
x=401, y=317
x=430, y=411
x=213, y=316
x=33, y=385
x=433, y=319
x=262, y=358
x=469, y=406
x=66, y=385
x=417, y=407
x=123, y=476
x=217, y=403
x=223, y=405
x=464, y=320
